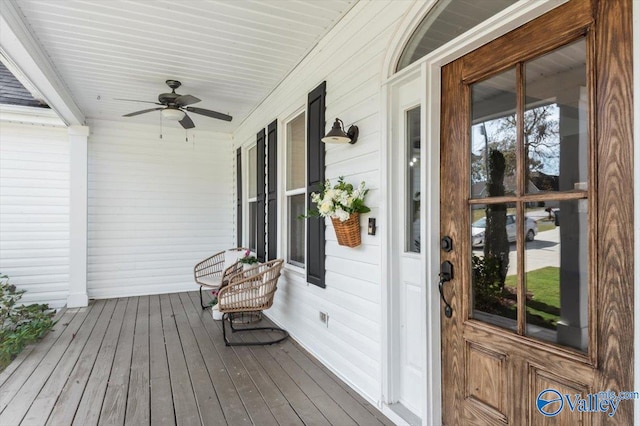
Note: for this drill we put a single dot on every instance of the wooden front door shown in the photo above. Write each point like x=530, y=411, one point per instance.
x=536, y=190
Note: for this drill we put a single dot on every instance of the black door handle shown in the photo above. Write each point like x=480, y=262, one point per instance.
x=446, y=274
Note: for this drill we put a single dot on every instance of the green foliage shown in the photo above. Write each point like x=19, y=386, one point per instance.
x=214, y=299
x=338, y=201
x=21, y=324
x=248, y=259
x=488, y=283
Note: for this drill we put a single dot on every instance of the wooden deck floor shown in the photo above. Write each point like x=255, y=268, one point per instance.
x=160, y=360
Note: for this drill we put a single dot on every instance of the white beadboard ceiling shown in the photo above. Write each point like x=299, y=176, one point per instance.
x=229, y=53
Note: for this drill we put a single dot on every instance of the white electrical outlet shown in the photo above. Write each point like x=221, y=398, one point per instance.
x=324, y=317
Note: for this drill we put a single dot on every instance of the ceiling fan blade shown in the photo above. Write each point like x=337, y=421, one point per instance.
x=209, y=113
x=186, y=122
x=185, y=100
x=136, y=100
x=131, y=114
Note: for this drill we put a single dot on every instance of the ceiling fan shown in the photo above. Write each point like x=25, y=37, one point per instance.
x=175, y=107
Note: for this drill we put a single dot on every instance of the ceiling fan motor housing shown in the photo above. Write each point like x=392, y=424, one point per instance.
x=174, y=84
x=167, y=98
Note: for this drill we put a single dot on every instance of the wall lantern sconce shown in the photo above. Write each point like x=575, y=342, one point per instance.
x=337, y=134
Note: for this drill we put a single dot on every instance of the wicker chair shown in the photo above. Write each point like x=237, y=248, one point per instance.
x=251, y=290
x=211, y=271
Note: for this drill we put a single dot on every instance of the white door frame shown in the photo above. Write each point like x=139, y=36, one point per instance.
x=429, y=66
x=402, y=99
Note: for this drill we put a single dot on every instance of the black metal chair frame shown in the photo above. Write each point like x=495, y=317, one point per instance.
x=247, y=292
x=227, y=342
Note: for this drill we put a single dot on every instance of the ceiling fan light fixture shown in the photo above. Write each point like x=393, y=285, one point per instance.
x=173, y=114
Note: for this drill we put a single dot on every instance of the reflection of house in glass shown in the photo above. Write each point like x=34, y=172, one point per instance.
x=544, y=182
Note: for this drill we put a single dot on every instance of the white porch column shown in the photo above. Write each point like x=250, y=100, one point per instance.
x=78, y=217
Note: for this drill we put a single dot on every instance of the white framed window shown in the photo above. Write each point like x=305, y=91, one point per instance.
x=412, y=180
x=252, y=196
x=295, y=190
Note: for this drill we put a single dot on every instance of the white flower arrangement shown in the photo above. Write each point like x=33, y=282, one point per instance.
x=339, y=201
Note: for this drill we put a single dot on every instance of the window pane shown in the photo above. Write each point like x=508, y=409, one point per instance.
x=493, y=136
x=296, y=153
x=447, y=20
x=494, y=265
x=296, y=244
x=556, y=276
x=252, y=166
x=253, y=221
x=555, y=120
x=412, y=164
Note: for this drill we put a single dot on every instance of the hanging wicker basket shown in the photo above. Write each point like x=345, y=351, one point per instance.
x=348, y=232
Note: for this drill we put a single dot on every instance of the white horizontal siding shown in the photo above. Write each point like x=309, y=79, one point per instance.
x=350, y=59
x=156, y=206
x=34, y=210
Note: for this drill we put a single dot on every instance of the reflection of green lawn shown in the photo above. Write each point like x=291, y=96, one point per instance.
x=544, y=285
x=545, y=225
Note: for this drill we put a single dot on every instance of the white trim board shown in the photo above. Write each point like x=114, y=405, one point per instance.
x=30, y=115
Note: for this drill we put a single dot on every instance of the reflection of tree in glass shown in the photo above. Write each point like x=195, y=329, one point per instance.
x=496, y=240
x=491, y=271
x=541, y=147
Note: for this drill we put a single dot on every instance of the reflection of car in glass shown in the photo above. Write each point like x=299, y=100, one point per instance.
x=478, y=227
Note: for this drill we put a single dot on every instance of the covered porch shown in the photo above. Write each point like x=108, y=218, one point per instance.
x=161, y=360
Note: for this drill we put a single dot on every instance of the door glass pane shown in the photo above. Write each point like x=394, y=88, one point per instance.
x=296, y=230
x=556, y=120
x=412, y=167
x=493, y=136
x=556, y=276
x=296, y=155
x=494, y=265
x=251, y=167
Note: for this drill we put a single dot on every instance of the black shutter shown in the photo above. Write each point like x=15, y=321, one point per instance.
x=260, y=216
x=315, y=178
x=272, y=194
x=239, y=197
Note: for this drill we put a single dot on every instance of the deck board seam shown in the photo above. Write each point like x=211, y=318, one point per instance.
x=79, y=354
x=111, y=306
x=217, y=348
x=101, y=399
